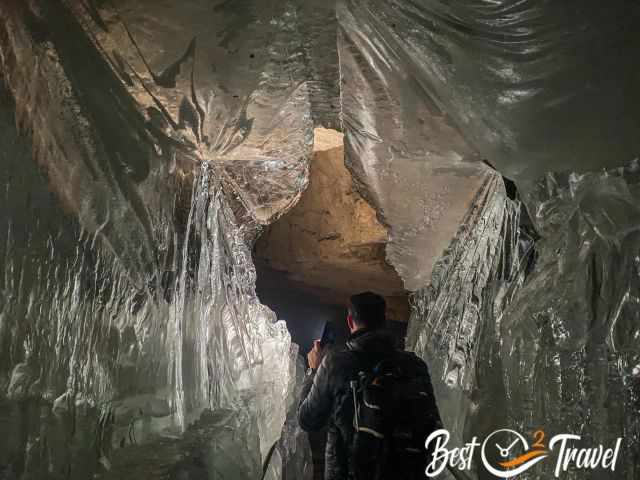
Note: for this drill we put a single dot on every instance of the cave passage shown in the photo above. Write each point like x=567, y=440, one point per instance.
x=329, y=246
x=174, y=218
x=305, y=315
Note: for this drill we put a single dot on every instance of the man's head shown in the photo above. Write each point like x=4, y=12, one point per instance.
x=366, y=310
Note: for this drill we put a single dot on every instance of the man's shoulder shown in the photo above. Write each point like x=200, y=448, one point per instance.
x=340, y=357
x=343, y=359
x=338, y=368
x=409, y=356
x=412, y=360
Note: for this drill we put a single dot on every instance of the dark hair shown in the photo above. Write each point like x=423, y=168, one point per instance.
x=367, y=310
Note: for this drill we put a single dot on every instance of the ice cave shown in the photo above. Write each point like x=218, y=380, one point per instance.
x=191, y=189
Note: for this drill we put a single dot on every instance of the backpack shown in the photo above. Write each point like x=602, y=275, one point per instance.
x=391, y=421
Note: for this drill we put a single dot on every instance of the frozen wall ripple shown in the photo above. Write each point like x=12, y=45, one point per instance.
x=98, y=376
x=550, y=344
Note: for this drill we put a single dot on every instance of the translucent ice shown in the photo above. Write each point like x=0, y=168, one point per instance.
x=549, y=345
x=187, y=374
x=532, y=86
x=454, y=324
x=431, y=87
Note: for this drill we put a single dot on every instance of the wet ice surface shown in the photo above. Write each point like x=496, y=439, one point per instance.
x=129, y=324
x=430, y=86
x=123, y=338
x=470, y=285
x=119, y=86
x=556, y=349
x=188, y=373
x=532, y=86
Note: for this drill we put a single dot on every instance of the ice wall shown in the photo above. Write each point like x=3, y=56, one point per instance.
x=133, y=343
x=406, y=157
x=111, y=88
x=533, y=86
x=570, y=337
x=107, y=377
x=551, y=344
x=454, y=322
x=545, y=92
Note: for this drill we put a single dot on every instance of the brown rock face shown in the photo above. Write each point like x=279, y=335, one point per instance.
x=331, y=242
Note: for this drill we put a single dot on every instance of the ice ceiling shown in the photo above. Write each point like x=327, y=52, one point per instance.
x=170, y=132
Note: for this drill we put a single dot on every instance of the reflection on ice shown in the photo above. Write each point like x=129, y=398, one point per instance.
x=191, y=374
x=554, y=349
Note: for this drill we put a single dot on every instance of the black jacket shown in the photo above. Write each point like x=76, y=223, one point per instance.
x=331, y=382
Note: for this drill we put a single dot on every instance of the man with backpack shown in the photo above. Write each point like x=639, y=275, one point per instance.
x=377, y=401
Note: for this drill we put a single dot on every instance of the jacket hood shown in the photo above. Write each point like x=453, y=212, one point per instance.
x=371, y=341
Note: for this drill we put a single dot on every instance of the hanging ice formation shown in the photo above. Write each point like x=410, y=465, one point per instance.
x=100, y=377
x=130, y=334
x=540, y=340
x=133, y=343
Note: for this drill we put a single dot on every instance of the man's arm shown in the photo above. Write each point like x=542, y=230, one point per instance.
x=316, y=399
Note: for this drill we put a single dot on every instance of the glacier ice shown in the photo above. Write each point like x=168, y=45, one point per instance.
x=532, y=86
x=109, y=89
x=518, y=336
x=397, y=140
x=550, y=344
x=130, y=325
x=131, y=340
x=454, y=323
x=188, y=374
x=432, y=87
